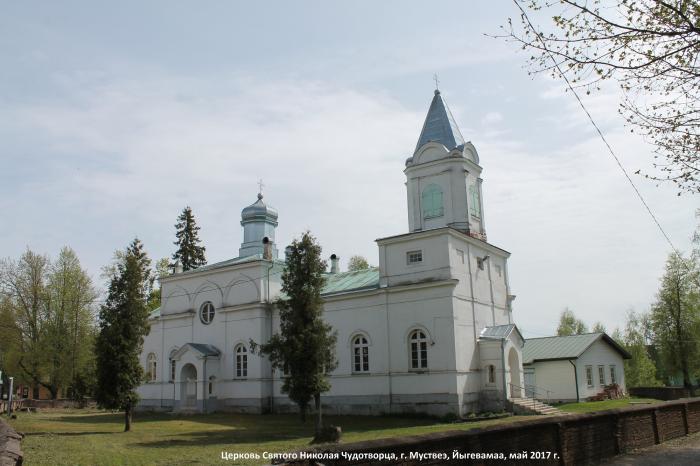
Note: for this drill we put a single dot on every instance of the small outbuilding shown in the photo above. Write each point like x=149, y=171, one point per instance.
x=572, y=368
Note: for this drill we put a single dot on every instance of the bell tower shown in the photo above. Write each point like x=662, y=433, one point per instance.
x=443, y=177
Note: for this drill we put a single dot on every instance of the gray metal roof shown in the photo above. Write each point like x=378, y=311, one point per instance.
x=568, y=347
x=259, y=211
x=499, y=332
x=346, y=281
x=440, y=126
x=205, y=349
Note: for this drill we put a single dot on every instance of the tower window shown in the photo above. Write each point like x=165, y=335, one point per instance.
x=432, y=201
x=475, y=208
x=414, y=257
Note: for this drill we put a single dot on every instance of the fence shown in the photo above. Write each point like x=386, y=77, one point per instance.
x=568, y=439
x=660, y=393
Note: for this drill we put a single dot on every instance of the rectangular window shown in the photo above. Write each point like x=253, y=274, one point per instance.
x=589, y=375
x=475, y=208
x=601, y=375
x=498, y=270
x=460, y=256
x=414, y=257
x=613, y=379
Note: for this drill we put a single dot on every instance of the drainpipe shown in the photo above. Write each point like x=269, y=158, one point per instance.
x=270, y=310
x=503, y=364
x=578, y=398
x=205, y=392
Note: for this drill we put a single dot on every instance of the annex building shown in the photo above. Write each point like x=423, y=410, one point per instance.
x=429, y=330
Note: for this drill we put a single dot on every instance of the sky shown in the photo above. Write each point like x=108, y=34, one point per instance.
x=116, y=115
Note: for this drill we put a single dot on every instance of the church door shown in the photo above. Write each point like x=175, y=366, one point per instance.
x=188, y=389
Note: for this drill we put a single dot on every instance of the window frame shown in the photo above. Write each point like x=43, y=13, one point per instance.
x=359, y=354
x=152, y=367
x=211, y=314
x=475, y=204
x=421, y=351
x=589, y=376
x=240, y=368
x=613, y=374
x=601, y=375
x=432, y=202
x=491, y=373
x=416, y=253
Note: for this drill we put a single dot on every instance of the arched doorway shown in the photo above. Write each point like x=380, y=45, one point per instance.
x=188, y=387
x=514, y=371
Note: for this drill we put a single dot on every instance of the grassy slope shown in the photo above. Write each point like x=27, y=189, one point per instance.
x=590, y=406
x=94, y=437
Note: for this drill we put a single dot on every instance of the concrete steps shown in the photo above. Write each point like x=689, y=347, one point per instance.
x=533, y=406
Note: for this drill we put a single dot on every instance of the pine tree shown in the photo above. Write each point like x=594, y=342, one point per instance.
x=123, y=326
x=305, y=346
x=189, y=253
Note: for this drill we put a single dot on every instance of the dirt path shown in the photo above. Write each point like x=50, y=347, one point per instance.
x=678, y=452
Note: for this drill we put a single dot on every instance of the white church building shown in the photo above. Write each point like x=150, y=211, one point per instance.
x=429, y=330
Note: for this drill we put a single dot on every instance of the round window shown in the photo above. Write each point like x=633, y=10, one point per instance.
x=206, y=312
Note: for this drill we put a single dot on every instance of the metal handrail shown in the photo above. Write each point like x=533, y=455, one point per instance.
x=534, y=391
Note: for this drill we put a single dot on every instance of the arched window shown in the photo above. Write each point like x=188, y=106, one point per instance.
x=419, y=350
x=492, y=373
x=360, y=354
x=173, y=365
x=152, y=369
x=212, y=379
x=206, y=312
x=241, y=361
x=432, y=201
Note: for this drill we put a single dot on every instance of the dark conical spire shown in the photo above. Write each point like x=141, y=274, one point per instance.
x=440, y=126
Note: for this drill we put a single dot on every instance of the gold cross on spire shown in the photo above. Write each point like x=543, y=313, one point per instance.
x=260, y=185
x=437, y=82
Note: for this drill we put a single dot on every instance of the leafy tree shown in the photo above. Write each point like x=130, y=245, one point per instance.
x=675, y=317
x=189, y=253
x=569, y=324
x=305, y=346
x=649, y=47
x=162, y=269
x=123, y=326
x=47, y=322
x=70, y=328
x=357, y=263
x=598, y=327
x=640, y=371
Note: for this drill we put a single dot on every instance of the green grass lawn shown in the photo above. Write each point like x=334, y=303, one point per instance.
x=89, y=437
x=591, y=406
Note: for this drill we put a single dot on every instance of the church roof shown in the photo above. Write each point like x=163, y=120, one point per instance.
x=440, y=126
x=259, y=211
x=347, y=281
x=226, y=263
x=499, y=332
x=565, y=347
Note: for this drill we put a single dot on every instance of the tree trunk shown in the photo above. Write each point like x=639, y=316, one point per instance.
x=302, y=413
x=127, y=417
x=319, y=414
